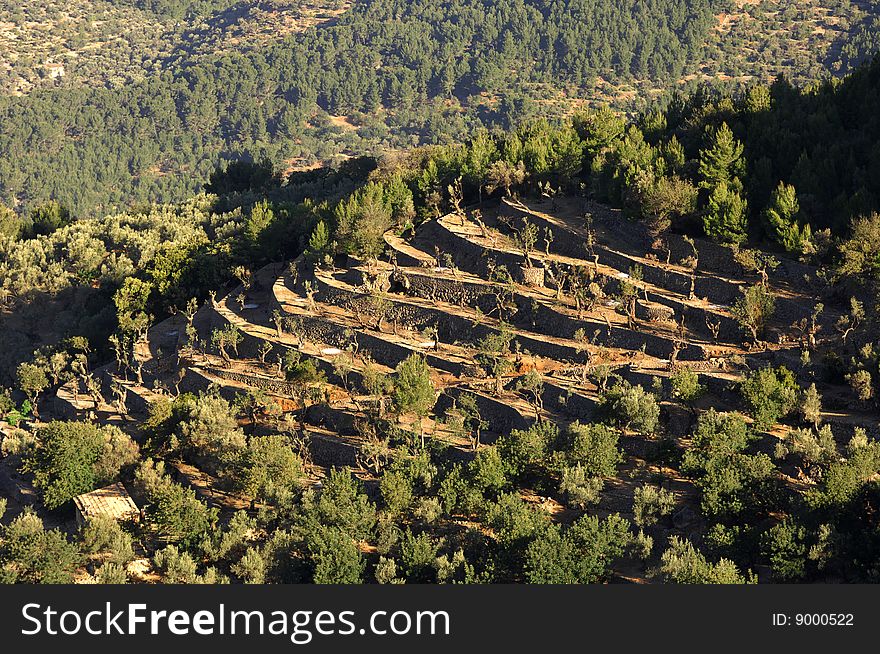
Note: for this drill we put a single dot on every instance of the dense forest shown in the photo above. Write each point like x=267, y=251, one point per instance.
x=819, y=142
x=383, y=75
x=862, y=45
x=88, y=149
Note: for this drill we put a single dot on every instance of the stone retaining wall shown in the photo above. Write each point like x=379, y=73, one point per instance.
x=332, y=452
x=621, y=337
x=452, y=328
x=502, y=417
x=717, y=290
x=473, y=258
x=713, y=258
x=570, y=403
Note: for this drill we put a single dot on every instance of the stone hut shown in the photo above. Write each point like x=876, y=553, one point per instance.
x=111, y=501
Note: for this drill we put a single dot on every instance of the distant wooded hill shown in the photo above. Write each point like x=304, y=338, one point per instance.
x=384, y=75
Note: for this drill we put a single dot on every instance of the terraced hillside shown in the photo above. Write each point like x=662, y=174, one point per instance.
x=526, y=313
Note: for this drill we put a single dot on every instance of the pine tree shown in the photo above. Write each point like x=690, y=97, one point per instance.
x=725, y=218
x=781, y=217
x=260, y=217
x=721, y=162
x=320, y=238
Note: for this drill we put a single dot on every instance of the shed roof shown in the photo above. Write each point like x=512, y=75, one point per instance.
x=111, y=501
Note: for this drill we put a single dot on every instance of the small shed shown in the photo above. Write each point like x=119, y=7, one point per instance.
x=54, y=70
x=111, y=501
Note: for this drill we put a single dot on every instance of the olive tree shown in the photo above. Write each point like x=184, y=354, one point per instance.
x=754, y=309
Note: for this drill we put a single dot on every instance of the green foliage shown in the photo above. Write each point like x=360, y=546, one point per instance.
x=433, y=509
x=72, y=458
x=251, y=567
x=229, y=543
x=489, y=471
x=418, y=554
x=413, y=388
x=754, y=309
x=771, y=394
x=241, y=176
x=178, y=516
x=785, y=547
x=466, y=414
x=579, y=554
x=194, y=118
x=256, y=225
x=650, y=504
x=457, y=495
x=177, y=9
x=342, y=504
x=681, y=563
x=717, y=435
x=578, y=488
x=692, y=141
x=18, y=444
x=397, y=491
x=6, y=402
x=844, y=480
x=815, y=447
x=599, y=129
x=631, y=407
x=686, y=385
x=31, y=555
x=111, y=573
x=32, y=380
x=493, y=350
x=334, y=556
x=665, y=200
x=860, y=253
x=239, y=103
x=726, y=219
x=862, y=384
x=514, y=522
x=227, y=338
x=721, y=161
x=811, y=406
x=272, y=471
x=208, y=430
x=782, y=218
x=302, y=370
x=131, y=305
x=329, y=525
x=178, y=567
x=731, y=481
x=105, y=535
x=848, y=537
x=319, y=241
x=362, y=220
x=593, y=446
x=522, y=449
x=11, y=226
x=48, y=218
